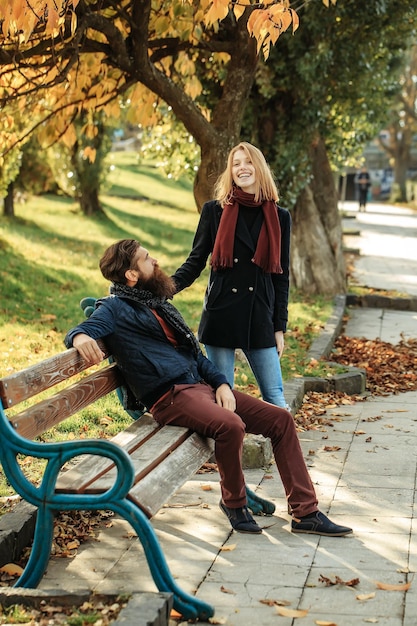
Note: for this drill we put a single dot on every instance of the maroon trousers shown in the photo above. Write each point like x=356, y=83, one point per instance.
x=195, y=407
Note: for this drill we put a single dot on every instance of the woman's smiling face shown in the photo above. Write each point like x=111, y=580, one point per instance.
x=243, y=172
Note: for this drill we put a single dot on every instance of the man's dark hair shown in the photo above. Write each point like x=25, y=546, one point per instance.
x=117, y=259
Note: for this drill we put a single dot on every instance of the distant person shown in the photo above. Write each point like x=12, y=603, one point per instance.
x=164, y=368
x=246, y=302
x=363, y=181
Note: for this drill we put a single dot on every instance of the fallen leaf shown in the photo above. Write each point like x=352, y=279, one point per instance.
x=389, y=587
x=105, y=420
x=130, y=535
x=275, y=602
x=320, y=622
x=208, y=468
x=338, y=581
x=331, y=448
x=281, y=610
x=229, y=548
x=366, y=596
x=206, y=487
x=226, y=590
x=12, y=569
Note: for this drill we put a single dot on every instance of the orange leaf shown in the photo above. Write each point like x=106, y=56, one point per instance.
x=11, y=569
x=226, y=590
x=366, y=596
x=281, y=610
x=389, y=587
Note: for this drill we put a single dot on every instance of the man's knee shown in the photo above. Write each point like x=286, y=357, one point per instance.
x=233, y=425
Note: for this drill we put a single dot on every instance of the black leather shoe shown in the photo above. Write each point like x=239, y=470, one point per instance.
x=240, y=519
x=319, y=524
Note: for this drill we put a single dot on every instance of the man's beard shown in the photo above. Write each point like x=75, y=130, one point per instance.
x=159, y=284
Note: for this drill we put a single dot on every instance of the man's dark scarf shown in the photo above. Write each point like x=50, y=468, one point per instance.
x=165, y=309
x=268, y=250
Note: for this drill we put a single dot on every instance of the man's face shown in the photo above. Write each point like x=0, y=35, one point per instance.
x=149, y=276
x=143, y=264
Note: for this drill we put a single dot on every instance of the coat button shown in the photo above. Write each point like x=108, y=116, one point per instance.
x=235, y=260
x=234, y=290
x=250, y=288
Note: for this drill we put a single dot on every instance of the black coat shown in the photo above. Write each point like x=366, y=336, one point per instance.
x=243, y=305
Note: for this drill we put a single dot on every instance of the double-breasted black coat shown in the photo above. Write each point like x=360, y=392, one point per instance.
x=243, y=305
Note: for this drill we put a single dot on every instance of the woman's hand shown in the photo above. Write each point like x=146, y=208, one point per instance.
x=279, y=340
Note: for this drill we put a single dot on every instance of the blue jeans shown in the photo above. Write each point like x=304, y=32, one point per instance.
x=265, y=365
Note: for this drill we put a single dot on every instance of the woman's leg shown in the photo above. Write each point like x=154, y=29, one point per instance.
x=224, y=360
x=266, y=366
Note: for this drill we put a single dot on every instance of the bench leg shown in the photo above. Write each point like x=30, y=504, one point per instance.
x=187, y=605
x=258, y=505
x=41, y=549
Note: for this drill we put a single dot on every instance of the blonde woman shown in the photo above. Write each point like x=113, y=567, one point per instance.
x=246, y=302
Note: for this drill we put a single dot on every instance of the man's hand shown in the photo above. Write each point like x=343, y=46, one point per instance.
x=88, y=348
x=279, y=340
x=225, y=397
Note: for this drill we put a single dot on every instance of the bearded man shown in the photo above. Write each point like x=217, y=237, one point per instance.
x=166, y=371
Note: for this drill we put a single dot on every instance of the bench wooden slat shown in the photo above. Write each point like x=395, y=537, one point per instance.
x=32, y=380
x=47, y=413
x=147, y=456
x=162, y=464
x=95, y=474
x=155, y=489
x=80, y=477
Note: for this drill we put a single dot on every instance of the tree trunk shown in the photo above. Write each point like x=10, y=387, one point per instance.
x=213, y=162
x=217, y=136
x=317, y=263
x=402, y=155
x=8, y=208
x=89, y=202
x=399, y=191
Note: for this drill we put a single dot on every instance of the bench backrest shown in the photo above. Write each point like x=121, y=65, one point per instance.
x=65, y=366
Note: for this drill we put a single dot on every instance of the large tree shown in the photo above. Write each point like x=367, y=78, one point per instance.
x=199, y=58
x=89, y=54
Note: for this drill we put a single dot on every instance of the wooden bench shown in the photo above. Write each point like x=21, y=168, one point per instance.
x=133, y=474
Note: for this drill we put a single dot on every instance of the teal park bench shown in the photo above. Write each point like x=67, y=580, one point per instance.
x=133, y=474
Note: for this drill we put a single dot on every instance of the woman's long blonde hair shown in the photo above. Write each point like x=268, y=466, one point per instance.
x=266, y=188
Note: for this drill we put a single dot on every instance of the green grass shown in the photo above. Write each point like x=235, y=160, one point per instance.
x=49, y=261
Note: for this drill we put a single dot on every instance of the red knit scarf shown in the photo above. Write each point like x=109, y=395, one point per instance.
x=268, y=249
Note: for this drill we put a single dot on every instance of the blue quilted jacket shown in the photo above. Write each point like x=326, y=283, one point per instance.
x=150, y=364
